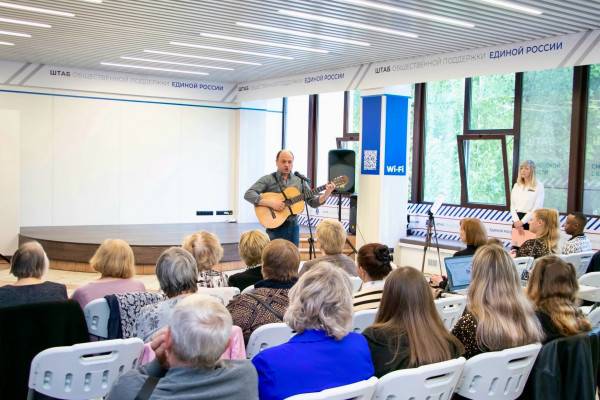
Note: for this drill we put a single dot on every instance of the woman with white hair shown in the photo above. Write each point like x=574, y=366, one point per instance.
x=187, y=361
x=324, y=353
x=29, y=264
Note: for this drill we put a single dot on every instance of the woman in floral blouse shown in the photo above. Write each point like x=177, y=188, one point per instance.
x=207, y=250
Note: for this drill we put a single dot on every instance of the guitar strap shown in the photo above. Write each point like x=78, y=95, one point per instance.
x=281, y=188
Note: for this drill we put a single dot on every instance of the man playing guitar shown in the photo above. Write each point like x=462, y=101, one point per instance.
x=277, y=182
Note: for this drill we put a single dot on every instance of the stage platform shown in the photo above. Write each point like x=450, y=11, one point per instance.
x=71, y=247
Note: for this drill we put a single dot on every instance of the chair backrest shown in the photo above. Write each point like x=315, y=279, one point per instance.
x=248, y=289
x=266, y=336
x=96, y=314
x=356, y=283
x=450, y=309
x=523, y=265
x=362, y=319
x=498, y=374
x=433, y=381
x=594, y=318
x=83, y=371
x=592, y=280
x=226, y=294
x=581, y=261
x=362, y=390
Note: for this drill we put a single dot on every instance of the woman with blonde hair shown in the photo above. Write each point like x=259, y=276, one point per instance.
x=331, y=237
x=499, y=314
x=473, y=234
x=252, y=244
x=207, y=251
x=553, y=289
x=544, y=224
x=527, y=195
x=324, y=353
x=407, y=310
x=115, y=261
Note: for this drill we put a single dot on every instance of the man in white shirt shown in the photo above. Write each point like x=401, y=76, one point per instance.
x=574, y=226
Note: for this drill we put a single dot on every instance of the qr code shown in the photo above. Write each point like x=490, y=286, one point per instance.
x=370, y=160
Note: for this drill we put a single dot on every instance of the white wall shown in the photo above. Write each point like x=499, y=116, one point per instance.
x=86, y=161
x=9, y=181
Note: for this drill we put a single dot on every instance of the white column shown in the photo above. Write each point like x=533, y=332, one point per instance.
x=10, y=165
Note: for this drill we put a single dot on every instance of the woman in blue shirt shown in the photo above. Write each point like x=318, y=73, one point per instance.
x=324, y=353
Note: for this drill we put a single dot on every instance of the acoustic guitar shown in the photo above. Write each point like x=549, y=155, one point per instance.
x=294, y=201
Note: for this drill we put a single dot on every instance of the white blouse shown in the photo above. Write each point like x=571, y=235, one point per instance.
x=526, y=200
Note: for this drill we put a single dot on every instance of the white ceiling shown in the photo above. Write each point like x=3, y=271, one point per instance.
x=104, y=32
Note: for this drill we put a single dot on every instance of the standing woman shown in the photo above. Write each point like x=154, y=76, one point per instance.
x=527, y=196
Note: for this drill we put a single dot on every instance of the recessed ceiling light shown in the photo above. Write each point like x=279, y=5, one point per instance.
x=351, y=24
x=35, y=9
x=154, y=68
x=9, y=33
x=167, y=53
x=23, y=22
x=251, y=53
x=174, y=63
x=411, y=13
x=513, y=6
x=243, y=40
x=302, y=34
x=93, y=1
x=7, y=44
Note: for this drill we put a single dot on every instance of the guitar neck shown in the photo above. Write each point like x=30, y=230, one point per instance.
x=308, y=194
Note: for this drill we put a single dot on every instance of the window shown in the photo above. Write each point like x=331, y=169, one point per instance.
x=296, y=131
x=354, y=111
x=492, y=102
x=546, y=130
x=330, y=126
x=591, y=186
x=443, y=122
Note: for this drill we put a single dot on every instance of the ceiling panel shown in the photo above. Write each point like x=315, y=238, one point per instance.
x=105, y=32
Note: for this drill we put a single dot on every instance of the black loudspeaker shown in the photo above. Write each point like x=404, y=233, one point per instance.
x=353, y=203
x=342, y=162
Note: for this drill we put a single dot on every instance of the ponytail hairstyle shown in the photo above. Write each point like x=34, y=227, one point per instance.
x=375, y=259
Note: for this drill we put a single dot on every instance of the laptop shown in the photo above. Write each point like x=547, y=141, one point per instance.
x=459, y=273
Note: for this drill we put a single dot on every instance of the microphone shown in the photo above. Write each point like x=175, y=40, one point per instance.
x=302, y=177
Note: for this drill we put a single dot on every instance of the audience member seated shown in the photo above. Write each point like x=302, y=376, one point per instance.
x=29, y=264
x=374, y=264
x=578, y=242
x=473, y=234
x=268, y=301
x=594, y=263
x=207, y=250
x=408, y=331
x=499, y=315
x=331, y=237
x=176, y=272
x=324, y=353
x=187, y=364
x=544, y=224
x=553, y=289
x=252, y=244
x=114, y=260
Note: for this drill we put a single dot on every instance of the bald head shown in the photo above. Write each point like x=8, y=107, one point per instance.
x=29, y=261
x=284, y=162
x=284, y=152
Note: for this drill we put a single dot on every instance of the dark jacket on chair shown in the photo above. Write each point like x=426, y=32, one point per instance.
x=28, y=329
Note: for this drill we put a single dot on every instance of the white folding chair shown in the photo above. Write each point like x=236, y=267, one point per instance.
x=594, y=318
x=523, y=265
x=226, y=294
x=83, y=371
x=356, y=283
x=248, y=289
x=363, y=319
x=450, y=309
x=581, y=261
x=591, y=279
x=362, y=390
x=498, y=374
x=96, y=314
x=433, y=381
x=266, y=336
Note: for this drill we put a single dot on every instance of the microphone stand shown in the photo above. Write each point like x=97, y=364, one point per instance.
x=339, y=193
x=430, y=225
x=311, y=239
